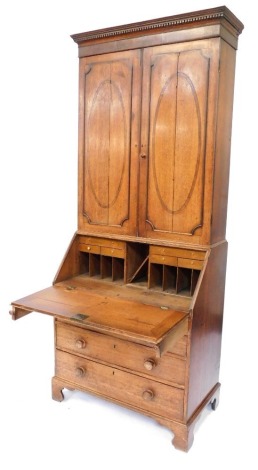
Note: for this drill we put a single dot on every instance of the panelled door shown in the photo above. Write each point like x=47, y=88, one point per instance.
x=175, y=143
x=146, y=141
x=108, y=142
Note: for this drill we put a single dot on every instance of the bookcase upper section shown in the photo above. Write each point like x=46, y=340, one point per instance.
x=155, y=115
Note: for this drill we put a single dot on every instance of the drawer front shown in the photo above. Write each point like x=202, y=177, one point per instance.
x=114, y=252
x=121, y=353
x=160, y=259
x=190, y=263
x=89, y=248
x=139, y=392
x=177, y=252
x=102, y=242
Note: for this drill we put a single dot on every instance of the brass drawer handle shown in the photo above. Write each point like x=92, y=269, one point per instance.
x=80, y=372
x=149, y=364
x=148, y=395
x=80, y=344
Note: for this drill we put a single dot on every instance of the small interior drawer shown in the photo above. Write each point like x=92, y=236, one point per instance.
x=113, y=243
x=102, y=242
x=114, y=252
x=190, y=263
x=163, y=259
x=177, y=252
x=89, y=248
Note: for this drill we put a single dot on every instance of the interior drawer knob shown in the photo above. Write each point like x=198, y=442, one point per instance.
x=149, y=364
x=80, y=344
x=148, y=395
x=80, y=372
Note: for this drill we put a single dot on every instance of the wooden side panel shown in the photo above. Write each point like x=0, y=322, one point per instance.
x=206, y=330
x=70, y=265
x=108, y=139
x=223, y=141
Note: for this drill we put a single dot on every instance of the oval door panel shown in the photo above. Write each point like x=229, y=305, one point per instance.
x=176, y=146
x=106, y=155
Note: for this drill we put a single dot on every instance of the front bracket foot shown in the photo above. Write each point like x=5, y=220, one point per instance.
x=57, y=389
x=184, y=432
x=183, y=437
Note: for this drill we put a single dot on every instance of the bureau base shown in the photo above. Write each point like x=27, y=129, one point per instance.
x=183, y=431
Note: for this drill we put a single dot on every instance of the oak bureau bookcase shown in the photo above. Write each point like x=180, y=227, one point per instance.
x=138, y=299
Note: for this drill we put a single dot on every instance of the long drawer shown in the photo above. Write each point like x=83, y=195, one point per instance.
x=121, y=353
x=138, y=392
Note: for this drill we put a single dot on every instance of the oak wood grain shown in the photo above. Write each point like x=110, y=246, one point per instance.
x=124, y=354
x=146, y=324
x=138, y=297
x=120, y=385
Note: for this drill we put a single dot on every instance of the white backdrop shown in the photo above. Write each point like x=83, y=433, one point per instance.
x=38, y=202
